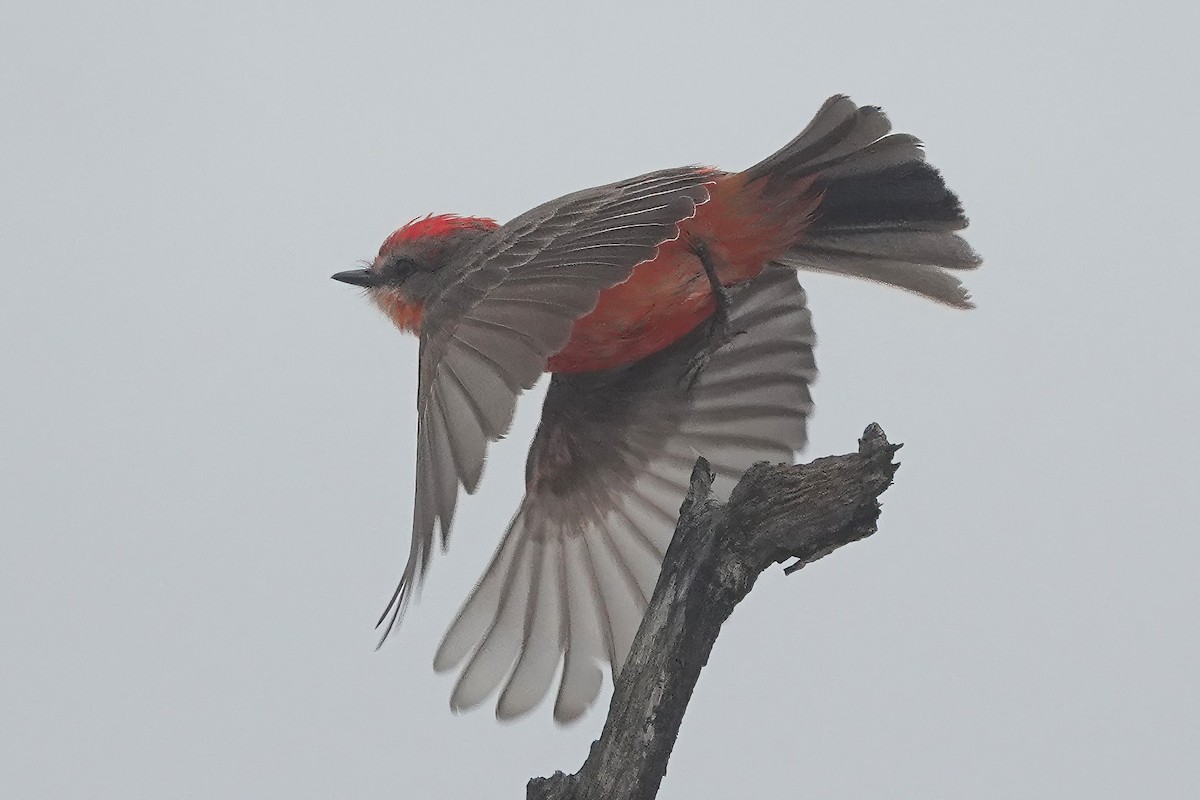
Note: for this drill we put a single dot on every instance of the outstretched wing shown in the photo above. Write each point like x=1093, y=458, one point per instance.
x=511, y=305
x=605, y=478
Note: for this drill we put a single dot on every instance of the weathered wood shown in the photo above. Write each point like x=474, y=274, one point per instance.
x=775, y=513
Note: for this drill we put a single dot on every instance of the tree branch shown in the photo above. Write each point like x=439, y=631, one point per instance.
x=775, y=513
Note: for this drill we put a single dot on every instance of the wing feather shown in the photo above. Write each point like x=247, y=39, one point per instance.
x=587, y=630
x=510, y=304
x=607, y=473
x=541, y=640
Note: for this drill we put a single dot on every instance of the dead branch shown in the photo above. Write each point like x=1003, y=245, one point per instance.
x=774, y=514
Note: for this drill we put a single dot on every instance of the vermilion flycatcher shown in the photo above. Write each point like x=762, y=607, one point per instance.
x=666, y=308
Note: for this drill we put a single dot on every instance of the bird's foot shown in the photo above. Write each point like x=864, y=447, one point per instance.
x=720, y=332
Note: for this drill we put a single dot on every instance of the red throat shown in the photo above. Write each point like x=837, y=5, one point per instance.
x=404, y=314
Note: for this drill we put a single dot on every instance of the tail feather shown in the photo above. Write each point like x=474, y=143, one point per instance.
x=926, y=280
x=884, y=213
x=838, y=128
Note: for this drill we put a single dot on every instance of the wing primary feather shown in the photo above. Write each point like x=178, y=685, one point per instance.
x=587, y=635
x=541, y=640
x=740, y=412
x=651, y=546
x=509, y=374
x=395, y=605
x=602, y=605
x=689, y=462
x=733, y=439
x=445, y=476
x=671, y=485
x=734, y=384
x=496, y=653
x=468, y=443
x=615, y=585
x=474, y=619
x=621, y=558
x=658, y=511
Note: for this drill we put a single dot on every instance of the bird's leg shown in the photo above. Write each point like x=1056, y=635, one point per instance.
x=719, y=332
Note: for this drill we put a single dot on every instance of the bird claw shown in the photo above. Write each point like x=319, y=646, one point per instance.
x=720, y=332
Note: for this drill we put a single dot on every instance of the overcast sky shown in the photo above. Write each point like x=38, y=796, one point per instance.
x=206, y=446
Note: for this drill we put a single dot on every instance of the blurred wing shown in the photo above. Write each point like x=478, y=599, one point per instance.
x=487, y=336
x=607, y=473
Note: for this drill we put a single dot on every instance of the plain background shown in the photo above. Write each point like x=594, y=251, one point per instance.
x=206, y=446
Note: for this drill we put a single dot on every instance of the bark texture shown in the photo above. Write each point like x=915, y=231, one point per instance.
x=775, y=514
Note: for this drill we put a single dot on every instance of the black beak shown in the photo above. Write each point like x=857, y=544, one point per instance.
x=358, y=277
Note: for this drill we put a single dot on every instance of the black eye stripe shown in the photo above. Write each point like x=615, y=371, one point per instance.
x=400, y=268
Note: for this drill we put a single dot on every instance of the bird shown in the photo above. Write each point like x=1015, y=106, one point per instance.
x=667, y=310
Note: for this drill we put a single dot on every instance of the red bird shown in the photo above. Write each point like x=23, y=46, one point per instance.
x=666, y=308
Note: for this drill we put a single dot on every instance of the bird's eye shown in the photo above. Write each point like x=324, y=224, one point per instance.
x=397, y=270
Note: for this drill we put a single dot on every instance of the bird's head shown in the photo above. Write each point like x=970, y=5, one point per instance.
x=411, y=262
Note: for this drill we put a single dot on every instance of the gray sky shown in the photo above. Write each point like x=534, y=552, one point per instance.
x=205, y=488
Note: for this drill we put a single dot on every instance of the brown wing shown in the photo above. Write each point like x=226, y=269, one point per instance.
x=512, y=303
x=606, y=475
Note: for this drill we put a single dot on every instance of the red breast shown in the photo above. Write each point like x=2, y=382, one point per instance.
x=668, y=296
